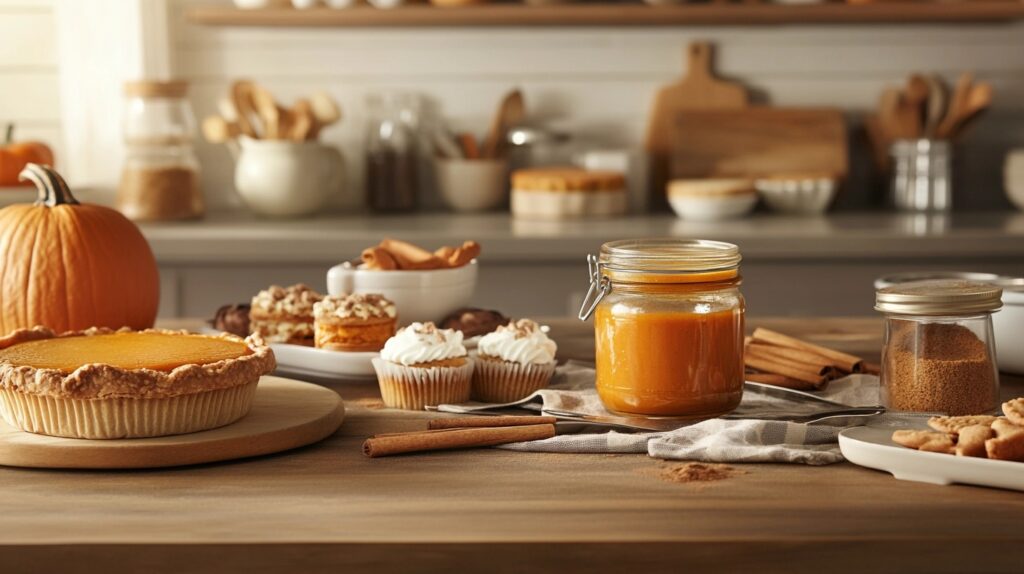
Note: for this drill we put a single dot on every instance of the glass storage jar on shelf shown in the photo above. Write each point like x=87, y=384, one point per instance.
x=160, y=176
x=938, y=355
x=393, y=152
x=668, y=322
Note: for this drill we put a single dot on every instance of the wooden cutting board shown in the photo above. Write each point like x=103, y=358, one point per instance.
x=286, y=414
x=759, y=141
x=699, y=90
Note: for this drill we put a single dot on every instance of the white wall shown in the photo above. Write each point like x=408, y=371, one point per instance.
x=597, y=81
x=601, y=80
x=29, y=91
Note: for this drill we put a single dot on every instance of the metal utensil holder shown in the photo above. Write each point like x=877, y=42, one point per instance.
x=922, y=175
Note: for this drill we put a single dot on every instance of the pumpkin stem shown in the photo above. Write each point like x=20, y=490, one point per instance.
x=9, y=138
x=53, y=190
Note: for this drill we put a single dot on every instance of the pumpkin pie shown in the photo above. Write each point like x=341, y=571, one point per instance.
x=105, y=384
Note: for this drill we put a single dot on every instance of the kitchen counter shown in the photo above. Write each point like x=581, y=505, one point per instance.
x=792, y=265
x=327, y=507
x=331, y=239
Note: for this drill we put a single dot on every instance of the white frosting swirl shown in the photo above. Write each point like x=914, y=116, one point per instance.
x=423, y=343
x=522, y=341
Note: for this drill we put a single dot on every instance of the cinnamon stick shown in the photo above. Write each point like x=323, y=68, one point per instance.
x=871, y=368
x=801, y=356
x=445, y=439
x=489, y=421
x=781, y=381
x=770, y=364
x=845, y=362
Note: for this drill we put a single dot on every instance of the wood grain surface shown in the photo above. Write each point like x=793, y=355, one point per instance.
x=285, y=414
x=327, y=507
x=759, y=142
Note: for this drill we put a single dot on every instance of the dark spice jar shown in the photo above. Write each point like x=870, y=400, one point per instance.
x=939, y=352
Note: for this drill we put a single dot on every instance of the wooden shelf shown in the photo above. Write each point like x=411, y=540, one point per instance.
x=616, y=15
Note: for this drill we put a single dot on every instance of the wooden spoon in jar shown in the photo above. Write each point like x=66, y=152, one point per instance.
x=303, y=121
x=510, y=113
x=325, y=110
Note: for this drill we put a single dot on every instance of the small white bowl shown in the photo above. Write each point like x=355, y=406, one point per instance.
x=711, y=199
x=803, y=195
x=429, y=295
x=472, y=184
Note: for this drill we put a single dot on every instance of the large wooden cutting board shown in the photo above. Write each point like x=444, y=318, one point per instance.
x=759, y=141
x=699, y=90
x=286, y=414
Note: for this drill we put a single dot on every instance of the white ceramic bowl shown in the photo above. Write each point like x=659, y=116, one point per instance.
x=808, y=196
x=1007, y=323
x=418, y=295
x=472, y=184
x=711, y=199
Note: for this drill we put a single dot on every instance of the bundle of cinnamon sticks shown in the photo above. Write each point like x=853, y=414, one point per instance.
x=776, y=359
x=392, y=254
x=462, y=432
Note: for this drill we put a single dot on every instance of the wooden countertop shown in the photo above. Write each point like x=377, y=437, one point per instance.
x=327, y=507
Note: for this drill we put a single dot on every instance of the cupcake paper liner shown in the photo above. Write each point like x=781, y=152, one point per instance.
x=497, y=381
x=413, y=388
x=125, y=418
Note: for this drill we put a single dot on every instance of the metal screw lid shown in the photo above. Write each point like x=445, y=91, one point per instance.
x=939, y=297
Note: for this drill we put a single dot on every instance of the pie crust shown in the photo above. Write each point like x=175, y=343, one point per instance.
x=102, y=401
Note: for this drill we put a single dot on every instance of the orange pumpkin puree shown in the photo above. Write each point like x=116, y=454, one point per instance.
x=670, y=363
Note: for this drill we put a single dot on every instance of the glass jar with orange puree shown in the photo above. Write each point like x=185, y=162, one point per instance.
x=668, y=320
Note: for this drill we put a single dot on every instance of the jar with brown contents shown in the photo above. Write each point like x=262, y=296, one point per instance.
x=939, y=354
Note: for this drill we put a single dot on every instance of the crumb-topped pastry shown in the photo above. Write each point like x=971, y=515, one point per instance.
x=567, y=192
x=284, y=314
x=514, y=361
x=474, y=322
x=356, y=322
x=423, y=365
x=104, y=384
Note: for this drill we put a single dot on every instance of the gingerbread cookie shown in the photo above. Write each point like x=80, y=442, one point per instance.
x=971, y=440
x=928, y=441
x=1014, y=410
x=1008, y=443
x=953, y=425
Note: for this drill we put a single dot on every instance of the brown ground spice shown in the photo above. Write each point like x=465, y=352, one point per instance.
x=937, y=367
x=696, y=472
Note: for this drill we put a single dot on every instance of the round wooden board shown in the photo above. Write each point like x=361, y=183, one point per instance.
x=286, y=414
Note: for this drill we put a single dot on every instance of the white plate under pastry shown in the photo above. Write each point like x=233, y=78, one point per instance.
x=873, y=447
x=302, y=361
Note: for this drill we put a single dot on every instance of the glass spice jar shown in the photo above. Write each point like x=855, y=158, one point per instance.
x=668, y=322
x=939, y=353
x=160, y=176
x=393, y=152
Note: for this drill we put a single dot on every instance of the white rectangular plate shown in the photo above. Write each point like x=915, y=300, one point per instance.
x=309, y=361
x=873, y=447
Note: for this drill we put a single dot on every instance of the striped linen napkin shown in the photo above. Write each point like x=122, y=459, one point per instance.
x=747, y=439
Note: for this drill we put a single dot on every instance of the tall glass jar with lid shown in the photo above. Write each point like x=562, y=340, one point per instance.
x=393, y=152
x=668, y=323
x=160, y=176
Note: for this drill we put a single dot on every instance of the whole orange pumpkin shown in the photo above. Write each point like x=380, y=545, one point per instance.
x=69, y=265
x=15, y=156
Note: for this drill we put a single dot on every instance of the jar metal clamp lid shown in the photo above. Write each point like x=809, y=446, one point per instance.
x=939, y=297
x=640, y=259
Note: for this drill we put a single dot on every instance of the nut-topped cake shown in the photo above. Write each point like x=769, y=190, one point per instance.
x=355, y=322
x=284, y=314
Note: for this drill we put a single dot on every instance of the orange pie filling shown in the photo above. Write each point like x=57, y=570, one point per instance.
x=131, y=350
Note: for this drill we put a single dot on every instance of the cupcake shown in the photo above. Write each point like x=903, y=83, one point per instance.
x=514, y=361
x=284, y=314
x=423, y=365
x=357, y=322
